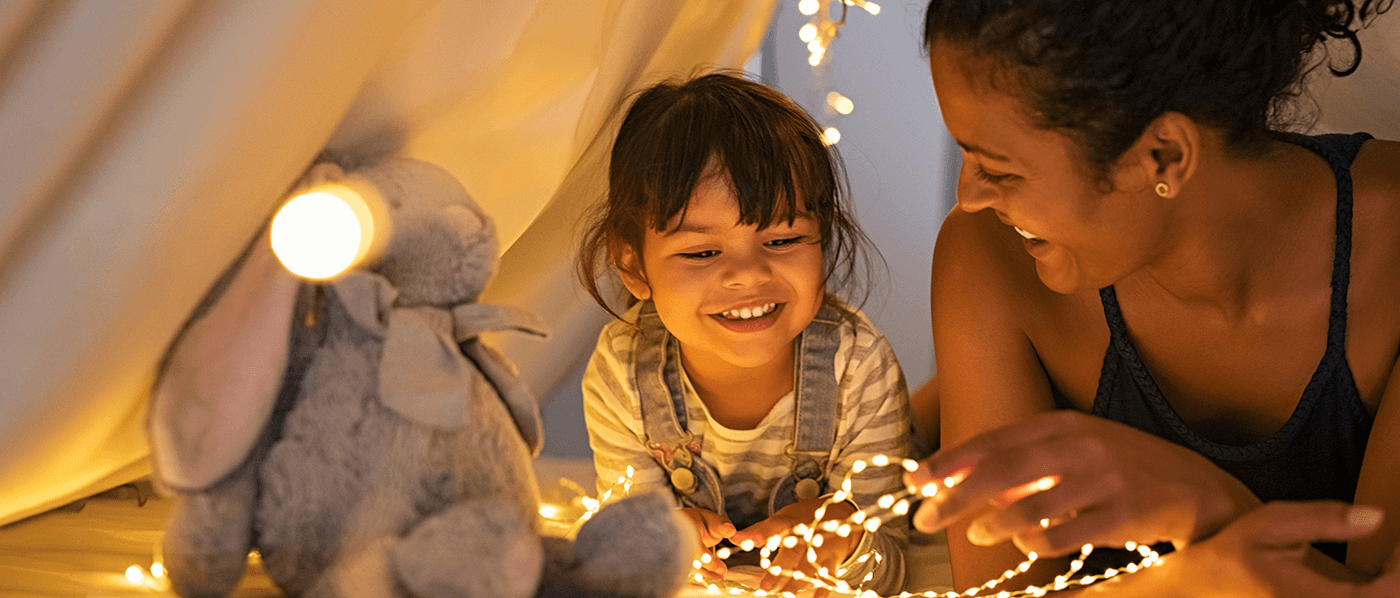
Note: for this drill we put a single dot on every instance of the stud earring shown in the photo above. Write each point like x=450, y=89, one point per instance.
x=1163, y=189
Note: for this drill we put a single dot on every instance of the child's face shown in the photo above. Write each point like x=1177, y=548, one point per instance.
x=705, y=273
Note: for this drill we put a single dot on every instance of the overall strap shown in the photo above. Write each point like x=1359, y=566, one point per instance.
x=664, y=417
x=816, y=409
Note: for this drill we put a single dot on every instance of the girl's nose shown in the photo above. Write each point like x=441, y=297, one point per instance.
x=746, y=271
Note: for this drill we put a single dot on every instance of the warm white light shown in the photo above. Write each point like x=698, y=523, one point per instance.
x=808, y=7
x=807, y=33
x=157, y=570
x=831, y=136
x=816, y=58
x=321, y=233
x=815, y=46
x=550, y=511
x=844, y=105
x=134, y=575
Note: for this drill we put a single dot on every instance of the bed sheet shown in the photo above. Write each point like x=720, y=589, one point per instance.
x=108, y=545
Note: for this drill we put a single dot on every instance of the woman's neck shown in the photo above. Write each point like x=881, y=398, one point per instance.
x=1246, y=225
x=739, y=397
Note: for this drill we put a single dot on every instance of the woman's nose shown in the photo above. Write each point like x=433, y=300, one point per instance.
x=973, y=194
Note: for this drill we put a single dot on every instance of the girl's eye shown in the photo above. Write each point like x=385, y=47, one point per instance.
x=992, y=178
x=784, y=242
x=699, y=255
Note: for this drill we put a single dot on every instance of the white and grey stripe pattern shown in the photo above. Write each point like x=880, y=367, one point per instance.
x=874, y=419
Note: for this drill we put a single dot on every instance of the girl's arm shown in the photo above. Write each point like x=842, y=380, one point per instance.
x=875, y=421
x=612, y=412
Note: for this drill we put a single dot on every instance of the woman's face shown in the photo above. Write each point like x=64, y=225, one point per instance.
x=1038, y=183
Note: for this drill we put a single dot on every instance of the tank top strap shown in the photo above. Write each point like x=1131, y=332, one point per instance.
x=1340, y=151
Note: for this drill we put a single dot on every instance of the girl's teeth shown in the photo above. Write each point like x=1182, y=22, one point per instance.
x=1024, y=233
x=749, y=312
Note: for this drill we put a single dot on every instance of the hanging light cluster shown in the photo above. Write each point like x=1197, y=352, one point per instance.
x=818, y=34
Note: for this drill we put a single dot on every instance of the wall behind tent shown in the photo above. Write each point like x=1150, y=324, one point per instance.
x=898, y=159
x=903, y=166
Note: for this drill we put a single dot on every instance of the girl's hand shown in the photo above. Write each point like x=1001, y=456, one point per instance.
x=710, y=527
x=832, y=552
x=1058, y=480
x=1266, y=552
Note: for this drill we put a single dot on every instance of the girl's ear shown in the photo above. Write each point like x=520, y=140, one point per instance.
x=629, y=269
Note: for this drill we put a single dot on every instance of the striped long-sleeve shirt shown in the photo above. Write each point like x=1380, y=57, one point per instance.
x=873, y=419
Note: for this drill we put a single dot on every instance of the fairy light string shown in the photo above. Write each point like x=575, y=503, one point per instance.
x=818, y=34
x=870, y=519
x=867, y=519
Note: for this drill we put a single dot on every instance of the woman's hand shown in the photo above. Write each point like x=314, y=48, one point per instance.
x=831, y=550
x=711, y=528
x=1267, y=553
x=1059, y=480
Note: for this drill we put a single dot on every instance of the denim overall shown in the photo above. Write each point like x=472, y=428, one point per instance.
x=664, y=414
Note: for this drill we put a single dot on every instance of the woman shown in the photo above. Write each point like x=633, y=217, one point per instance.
x=1137, y=241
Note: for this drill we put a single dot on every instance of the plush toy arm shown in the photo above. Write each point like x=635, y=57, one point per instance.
x=209, y=534
x=221, y=379
x=638, y=547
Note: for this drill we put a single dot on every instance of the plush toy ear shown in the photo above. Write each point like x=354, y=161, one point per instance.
x=222, y=376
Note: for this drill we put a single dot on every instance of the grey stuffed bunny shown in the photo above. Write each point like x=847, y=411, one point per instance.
x=375, y=447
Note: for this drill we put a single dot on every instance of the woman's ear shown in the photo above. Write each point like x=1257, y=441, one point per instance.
x=629, y=268
x=1164, y=157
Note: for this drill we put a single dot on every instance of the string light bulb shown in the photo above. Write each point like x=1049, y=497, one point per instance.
x=831, y=136
x=840, y=103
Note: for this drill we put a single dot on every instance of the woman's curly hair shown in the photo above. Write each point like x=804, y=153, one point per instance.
x=1102, y=70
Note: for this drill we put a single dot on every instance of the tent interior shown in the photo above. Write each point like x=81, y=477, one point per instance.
x=144, y=144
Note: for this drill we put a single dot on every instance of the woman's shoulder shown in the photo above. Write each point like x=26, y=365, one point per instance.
x=1375, y=178
x=981, y=265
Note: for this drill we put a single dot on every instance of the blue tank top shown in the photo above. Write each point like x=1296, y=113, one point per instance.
x=1317, y=453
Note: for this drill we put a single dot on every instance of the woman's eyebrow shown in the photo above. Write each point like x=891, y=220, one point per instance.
x=985, y=152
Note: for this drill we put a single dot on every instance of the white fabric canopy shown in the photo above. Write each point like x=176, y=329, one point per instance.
x=142, y=144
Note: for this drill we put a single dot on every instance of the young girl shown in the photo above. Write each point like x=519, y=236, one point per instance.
x=736, y=380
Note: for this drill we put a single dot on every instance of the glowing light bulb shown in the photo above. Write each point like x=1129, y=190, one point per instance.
x=323, y=232
x=134, y=575
x=808, y=7
x=157, y=570
x=807, y=33
x=831, y=136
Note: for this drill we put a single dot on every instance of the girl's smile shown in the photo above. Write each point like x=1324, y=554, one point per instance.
x=750, y=319
x=734, y=295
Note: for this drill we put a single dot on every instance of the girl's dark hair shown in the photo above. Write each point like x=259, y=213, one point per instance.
x=1102, y=70
x=675, y=132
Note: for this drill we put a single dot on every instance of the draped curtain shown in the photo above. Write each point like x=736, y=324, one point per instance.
x=142, y=144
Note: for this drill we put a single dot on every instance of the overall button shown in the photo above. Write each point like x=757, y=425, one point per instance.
x=683, y=480
x=807, y=488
